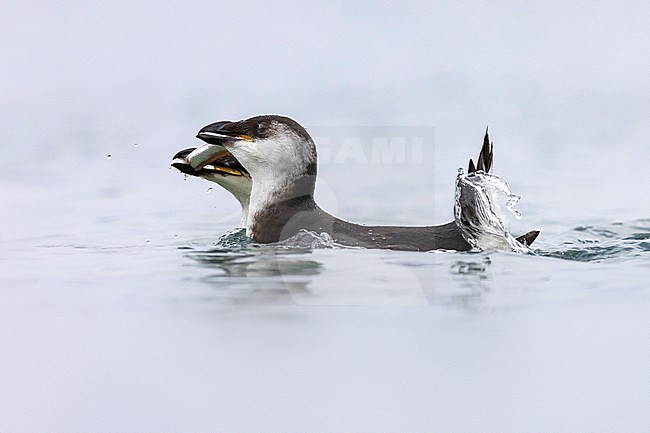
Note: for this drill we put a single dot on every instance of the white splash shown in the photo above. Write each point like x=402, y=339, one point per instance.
x=309, y=239
x=478, y=212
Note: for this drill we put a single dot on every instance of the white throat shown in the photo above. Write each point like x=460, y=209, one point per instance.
x=266, y=191
x=277, y=166
x=244, y=216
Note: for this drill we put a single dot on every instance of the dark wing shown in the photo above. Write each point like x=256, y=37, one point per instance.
x=484, y=158
x=528, y=238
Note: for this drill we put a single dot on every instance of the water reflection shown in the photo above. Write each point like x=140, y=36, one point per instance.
x=255, y=274
x=240, y=272
x=471, y=267
x=272, y=274
x=471, y=282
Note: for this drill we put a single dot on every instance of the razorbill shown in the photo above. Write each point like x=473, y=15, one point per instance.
x=269, y=164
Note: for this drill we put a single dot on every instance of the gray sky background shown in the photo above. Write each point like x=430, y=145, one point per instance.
x=563, y=85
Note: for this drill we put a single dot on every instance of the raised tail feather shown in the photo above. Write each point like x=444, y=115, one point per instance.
x=484, y=163
x=485, y=158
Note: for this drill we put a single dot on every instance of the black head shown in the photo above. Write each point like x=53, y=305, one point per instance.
x=256, y=128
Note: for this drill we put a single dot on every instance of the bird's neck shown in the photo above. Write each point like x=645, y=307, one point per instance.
x=244, y=215
x=272, y=198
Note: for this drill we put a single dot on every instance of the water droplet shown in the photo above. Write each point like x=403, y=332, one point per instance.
x=135, y=144
x=175, y=236
x=185, y=177
x=109, y=156
x=148, y=241
x=208, y=191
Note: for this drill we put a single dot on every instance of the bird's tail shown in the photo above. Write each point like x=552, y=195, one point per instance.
x=485, y=158
x=484, y=163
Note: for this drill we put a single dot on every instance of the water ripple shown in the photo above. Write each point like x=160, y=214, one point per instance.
x=615, y=242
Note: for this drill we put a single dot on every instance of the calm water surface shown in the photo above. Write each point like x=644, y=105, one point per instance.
x=122, y=310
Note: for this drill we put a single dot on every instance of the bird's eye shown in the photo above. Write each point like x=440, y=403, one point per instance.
x=262, y=128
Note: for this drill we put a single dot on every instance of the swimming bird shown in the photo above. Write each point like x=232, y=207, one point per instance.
x=272, y=161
